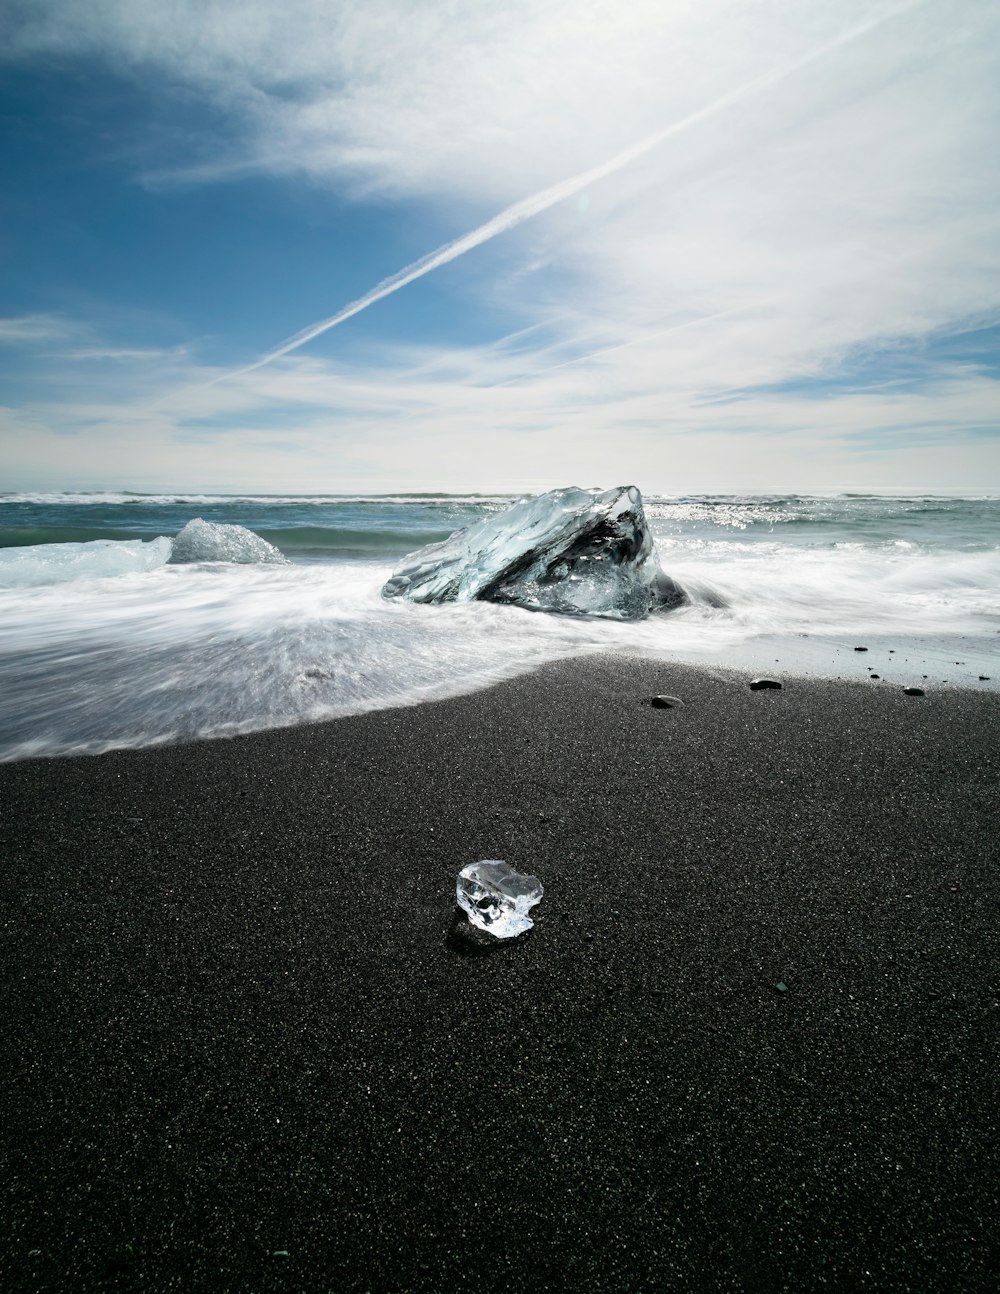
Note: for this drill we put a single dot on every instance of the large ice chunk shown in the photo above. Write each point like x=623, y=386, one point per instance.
x=37, y=564
x=210, y=541
x=579, y=552
x=497, y=898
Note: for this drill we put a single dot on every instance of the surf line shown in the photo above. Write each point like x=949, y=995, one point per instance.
x=541, y=201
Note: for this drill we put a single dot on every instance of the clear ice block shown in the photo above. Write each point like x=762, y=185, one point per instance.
x=497, y=898
x=570, y=551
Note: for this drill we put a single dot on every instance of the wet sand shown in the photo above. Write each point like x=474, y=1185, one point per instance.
x=750, y=1043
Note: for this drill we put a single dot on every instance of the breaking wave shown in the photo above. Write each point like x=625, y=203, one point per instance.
x=104, y=642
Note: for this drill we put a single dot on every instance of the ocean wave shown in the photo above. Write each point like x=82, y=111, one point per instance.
x=33, y=536
x=116, y=498
x=164, y=653
x=343, y=541
x=49, y=555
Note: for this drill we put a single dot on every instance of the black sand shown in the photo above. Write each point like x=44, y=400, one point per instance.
x=238, y=1052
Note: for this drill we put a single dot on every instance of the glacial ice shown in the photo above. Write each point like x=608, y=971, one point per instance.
x=497, y=898
x=210, y=541
x=35, y=565
x=578, y=552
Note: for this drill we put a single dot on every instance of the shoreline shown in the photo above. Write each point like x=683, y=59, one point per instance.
x=746, y=1045
x=929, y=663
x=802, y=659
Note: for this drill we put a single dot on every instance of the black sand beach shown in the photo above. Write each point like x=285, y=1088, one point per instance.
x=749, y=1045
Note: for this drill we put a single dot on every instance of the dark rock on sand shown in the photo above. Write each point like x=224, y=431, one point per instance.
x=861, y=649
x=759, y=684
x=914, y=691
x=666, y=702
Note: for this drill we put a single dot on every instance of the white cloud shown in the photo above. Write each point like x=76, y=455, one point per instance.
x=17, y=330
x=849, y=206
x=127, y=354
x=499, y=418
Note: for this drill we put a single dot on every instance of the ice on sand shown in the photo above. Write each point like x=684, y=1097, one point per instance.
x=497, y=898
x=578, y=552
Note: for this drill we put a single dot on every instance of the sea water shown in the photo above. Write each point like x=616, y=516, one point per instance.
x=104, y=643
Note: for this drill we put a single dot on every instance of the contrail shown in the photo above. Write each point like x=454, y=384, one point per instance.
x=538, y=202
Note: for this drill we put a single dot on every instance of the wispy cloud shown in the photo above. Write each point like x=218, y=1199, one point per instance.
x=127, y=354
x=21, y=329
x=536, y=203
x=495, y=417
x=820, y=191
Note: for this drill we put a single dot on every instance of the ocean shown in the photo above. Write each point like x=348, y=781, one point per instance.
x=105, y=644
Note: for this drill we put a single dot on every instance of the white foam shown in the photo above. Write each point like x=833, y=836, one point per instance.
x=849, y=589
x=188, y=650
x=159, y=652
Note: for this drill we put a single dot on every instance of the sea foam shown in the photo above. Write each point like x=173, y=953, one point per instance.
x=105, y=644
x=180, y=652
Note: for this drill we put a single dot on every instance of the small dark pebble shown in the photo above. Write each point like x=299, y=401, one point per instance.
x=875, y=676
x=666, y=702
x=861, y=649
x=758, y=683
x=984, y=678
x=913, y=691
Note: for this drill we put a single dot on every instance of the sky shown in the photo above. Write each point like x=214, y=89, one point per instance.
x=694, y=245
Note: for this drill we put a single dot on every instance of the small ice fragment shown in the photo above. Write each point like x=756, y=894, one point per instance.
x=497, y=898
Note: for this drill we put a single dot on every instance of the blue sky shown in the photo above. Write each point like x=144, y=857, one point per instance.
x=732, y=246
